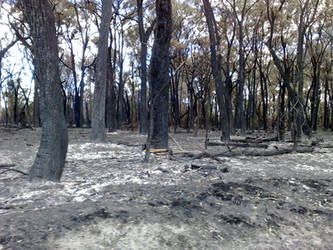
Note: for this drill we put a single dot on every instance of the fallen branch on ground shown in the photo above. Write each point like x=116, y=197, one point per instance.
x=255, y=140
x=229, y=153
x=179, y=146
x=6, y=165
x=240, y=144
x=14, y=170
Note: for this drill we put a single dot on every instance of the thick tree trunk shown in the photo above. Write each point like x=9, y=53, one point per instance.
x=50, y=159
x=159, y=74
x=98, y=112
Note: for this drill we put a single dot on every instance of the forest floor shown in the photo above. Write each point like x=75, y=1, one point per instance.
x=109, y=199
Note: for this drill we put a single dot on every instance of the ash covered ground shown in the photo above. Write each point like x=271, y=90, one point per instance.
x=109, y=199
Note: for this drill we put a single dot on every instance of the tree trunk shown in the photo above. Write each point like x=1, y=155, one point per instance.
x=263, y=91
x=36, y=109
x=144, y=36
x=111, y=119
x=282, y=115
x=159, y=74
x=98, y=112
x=326, y=107
x=315, y=100
x=120, y=104
x=221, y=92
x=240, y=117
x=50, y=159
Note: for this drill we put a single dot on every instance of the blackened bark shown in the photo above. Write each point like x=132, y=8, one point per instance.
x=159, y=74
x=111, y=119
x=222, y=94
x=328, y=95
x=87, y=115
x=326, y=117
x=264, y=94
x=315, y=98
x=305, y=20
x=175, y=78
x=282, y=115
x=98, y=112
x=127, y=105
x=36, y=108
x=239, y=114
x=120, y=103
x=50, y=159
x=285, y=69
x=144, y=36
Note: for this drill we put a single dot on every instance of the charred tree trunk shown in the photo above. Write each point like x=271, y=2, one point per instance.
x=175, y=98
x=120, y=103
x=111, y=118
x=282, y=114
x=36, y=109
x=144, y=36
x=264, y=95
x=127, y=105
x=50, y=159
x=98, y=112
x=326, y=107
x=239, y=114
x=159, y=74
x=222, y=94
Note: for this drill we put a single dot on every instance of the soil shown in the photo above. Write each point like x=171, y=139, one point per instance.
x=109, y=199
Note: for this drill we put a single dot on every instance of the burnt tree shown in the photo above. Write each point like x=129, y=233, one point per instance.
x=50, y=159
x=98, y=112
x=144, y=36
x=223, y=96
x=159, y=75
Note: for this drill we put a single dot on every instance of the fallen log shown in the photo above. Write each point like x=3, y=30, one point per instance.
x=254, y=139
x=230, y=153
x=240, y=144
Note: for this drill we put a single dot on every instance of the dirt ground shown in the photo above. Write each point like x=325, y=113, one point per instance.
x=109, y=199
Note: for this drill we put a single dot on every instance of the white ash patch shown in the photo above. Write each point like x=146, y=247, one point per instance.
x=5, y=158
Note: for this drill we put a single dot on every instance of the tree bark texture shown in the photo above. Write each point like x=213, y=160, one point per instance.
x=111, y=119
x=159, y=74
x=239, y=114
x=144, y=36
x=50, y=159
x=98, y=112
x=222, y=94
x=36, y=108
